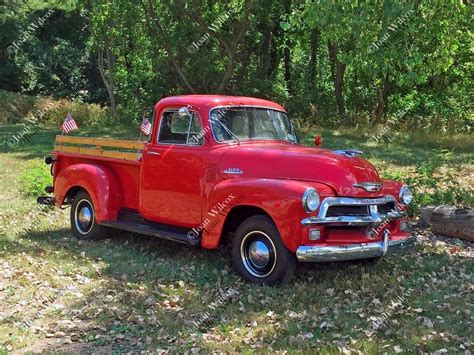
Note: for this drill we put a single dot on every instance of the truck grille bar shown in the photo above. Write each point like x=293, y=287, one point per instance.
x=370, y=211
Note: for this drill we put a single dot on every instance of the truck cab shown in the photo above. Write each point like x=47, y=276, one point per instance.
x=221, y=169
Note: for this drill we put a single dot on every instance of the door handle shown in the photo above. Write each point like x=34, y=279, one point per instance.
x=153, y=153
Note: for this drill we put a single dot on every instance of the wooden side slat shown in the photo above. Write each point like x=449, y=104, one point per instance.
x=105, y=142
x=97, y=153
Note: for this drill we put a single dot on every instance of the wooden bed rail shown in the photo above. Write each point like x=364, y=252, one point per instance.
x=95, y=147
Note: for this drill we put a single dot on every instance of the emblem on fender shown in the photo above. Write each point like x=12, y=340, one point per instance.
x=235, y=171
x=369, y=186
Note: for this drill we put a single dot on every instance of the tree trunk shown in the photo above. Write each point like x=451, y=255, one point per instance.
x=265, y=51
x=287, y=52
x=158, y=30
x=274, y=52
x=232, y=49
x=314, y=44
x=105, y=48
x=108, y=77
x=338, y=80
x=382, y=98
x=450, y=221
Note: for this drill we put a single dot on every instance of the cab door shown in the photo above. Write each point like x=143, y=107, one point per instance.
x=172, y=174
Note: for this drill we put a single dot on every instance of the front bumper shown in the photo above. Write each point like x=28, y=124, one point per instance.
x=353, y=251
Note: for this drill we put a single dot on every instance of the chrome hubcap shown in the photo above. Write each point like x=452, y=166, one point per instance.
x=258, y=254
x=84, y=217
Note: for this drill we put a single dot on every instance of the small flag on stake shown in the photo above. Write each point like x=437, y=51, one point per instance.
x=146, y=126
x=69, y=124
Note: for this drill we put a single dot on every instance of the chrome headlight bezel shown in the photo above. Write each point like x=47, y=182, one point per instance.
x=405, y=195
x=311, y=200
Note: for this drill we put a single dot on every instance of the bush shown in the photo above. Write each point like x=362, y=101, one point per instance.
x=431, y=186
x=87, y=115
x=15, y=108
x=35, y=179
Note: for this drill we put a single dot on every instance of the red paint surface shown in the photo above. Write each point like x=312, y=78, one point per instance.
x=182, y=184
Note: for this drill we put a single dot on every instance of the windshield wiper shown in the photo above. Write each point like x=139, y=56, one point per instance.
x=226, y=129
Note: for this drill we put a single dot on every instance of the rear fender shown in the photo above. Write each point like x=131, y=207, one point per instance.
x=100, y=182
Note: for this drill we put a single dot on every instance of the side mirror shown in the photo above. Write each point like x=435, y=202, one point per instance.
x=183, y=111
x=318, y=140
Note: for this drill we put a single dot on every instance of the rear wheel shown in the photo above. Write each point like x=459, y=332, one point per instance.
x=258, y=253
x=83, y=222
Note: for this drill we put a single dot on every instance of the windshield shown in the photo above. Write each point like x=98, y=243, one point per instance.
x=251, y=123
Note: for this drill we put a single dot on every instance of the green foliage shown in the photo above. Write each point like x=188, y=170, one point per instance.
x=15, y=106
x=418, y=53
x=433, y=187
x=35, y=179
x=433, y=184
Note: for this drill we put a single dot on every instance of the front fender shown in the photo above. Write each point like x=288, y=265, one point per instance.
x=280, y=199
x=100, y=182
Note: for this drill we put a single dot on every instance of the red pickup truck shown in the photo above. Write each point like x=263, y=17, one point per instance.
x=225, y=168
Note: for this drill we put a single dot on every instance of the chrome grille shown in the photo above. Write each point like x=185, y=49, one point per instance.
x=349, y=211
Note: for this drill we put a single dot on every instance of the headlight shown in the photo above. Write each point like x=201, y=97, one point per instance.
x=310, y=200
x=405, y=195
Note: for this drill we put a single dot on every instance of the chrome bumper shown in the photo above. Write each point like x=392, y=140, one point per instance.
x=353, y=251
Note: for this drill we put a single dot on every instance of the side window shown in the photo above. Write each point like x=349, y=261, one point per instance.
x=176, y=129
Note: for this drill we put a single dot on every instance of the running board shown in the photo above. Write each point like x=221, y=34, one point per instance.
x=131, y=221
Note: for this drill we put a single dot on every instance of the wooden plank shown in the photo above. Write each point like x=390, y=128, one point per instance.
x=97, y=153
x=106, y=142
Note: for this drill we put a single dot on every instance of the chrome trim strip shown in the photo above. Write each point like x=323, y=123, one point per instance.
x=373, y=217
x=353, y=251
x=352, y=220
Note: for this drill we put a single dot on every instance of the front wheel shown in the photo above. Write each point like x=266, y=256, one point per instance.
x=83, y=223
x=258, y=253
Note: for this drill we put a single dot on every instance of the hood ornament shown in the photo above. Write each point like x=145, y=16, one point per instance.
x=351, y=153
x=369, y=186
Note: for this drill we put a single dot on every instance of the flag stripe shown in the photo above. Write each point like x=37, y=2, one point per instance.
x=69, y=124
x=146, y=127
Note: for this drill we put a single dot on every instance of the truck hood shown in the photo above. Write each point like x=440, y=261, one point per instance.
x=288, y=161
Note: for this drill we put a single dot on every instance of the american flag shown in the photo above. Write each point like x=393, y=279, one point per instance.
x=146, y=126
x=69, y=124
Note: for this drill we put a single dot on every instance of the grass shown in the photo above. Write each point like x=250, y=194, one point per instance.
x=133, y=293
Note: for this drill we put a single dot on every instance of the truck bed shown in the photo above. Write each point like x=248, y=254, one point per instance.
x=123, y=157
